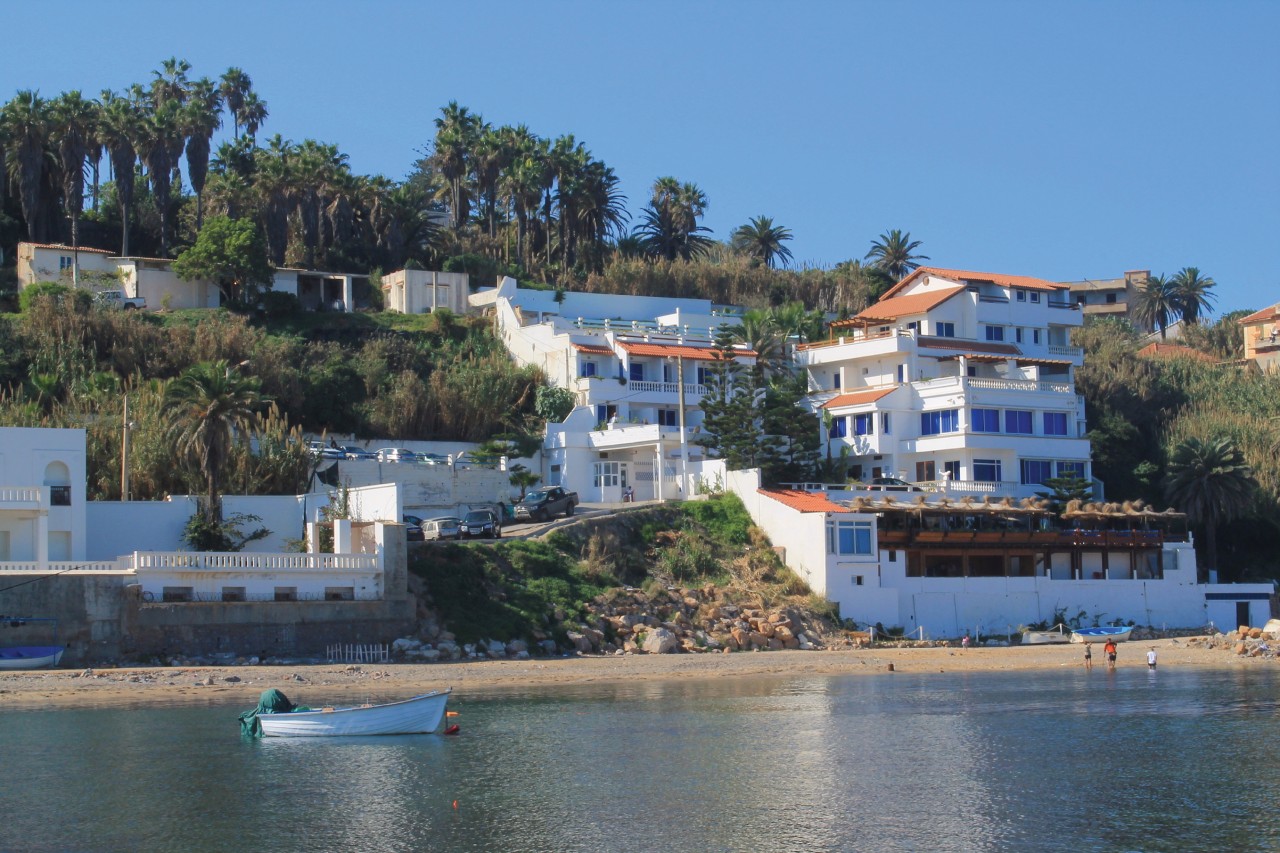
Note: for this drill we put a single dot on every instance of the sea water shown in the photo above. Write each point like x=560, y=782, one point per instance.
x=1035, y=761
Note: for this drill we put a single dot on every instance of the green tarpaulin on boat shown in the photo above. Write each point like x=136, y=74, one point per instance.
x=270, y=702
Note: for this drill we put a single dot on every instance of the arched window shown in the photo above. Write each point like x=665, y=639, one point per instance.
x=57, y=476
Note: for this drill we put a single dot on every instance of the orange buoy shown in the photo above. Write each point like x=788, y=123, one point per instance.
x=452, y=730
x=455, y=804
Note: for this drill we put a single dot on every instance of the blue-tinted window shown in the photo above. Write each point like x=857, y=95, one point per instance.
x=986, y=420
x=864, y=424
x=587, y=368
x=1055, y=423
x=1017, y=422
x=936, y=423
x=849, y=537
x=637, y=372
x=884, y=424
x=1035, y=333
x=1036, y=471
x=987, y=470
x=995, y=333
x=944, y=330
x=1070, y=469
x=839, y=427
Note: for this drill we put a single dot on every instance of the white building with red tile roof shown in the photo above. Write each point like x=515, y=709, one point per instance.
x=1262, y=338
x=955, y=377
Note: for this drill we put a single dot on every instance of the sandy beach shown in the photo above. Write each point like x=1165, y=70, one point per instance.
x=330, y=683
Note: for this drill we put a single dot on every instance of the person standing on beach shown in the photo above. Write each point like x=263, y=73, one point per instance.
x=964, y=643
x=1151, y=658
x=1088, y=655
x=1110, y=650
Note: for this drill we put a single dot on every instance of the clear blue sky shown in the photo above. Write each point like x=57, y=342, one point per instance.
x=1065, y=141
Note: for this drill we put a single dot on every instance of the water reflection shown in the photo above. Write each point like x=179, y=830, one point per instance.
x=884, y=762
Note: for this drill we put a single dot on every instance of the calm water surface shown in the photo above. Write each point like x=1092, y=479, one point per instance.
x=1028, y=761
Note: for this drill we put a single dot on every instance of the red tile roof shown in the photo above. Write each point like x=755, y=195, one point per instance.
x=1023, y=281
x=1272, y=313
x=1158, y=350
x=673, y=350
x=930, y=342
x=62, y=248
x=901, y=306
x=803, y=501
x=857, y=398
x=592, y=349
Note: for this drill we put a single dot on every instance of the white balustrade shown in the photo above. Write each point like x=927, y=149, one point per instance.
x=61, y=567
x=244, y=561
x=21, y=494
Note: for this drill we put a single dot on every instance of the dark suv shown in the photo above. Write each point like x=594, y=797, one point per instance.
x=481, y=523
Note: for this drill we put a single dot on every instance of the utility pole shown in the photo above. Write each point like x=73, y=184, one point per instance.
x=124, y=454
x=684, y=441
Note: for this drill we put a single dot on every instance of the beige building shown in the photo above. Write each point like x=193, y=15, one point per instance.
x=423, y=291
x=1262, y=338
x=53, y=262
x=1109, y=297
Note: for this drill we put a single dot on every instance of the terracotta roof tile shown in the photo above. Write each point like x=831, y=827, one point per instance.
x=592, y=349
x=857, y=398
x=63, y=248
x=1262, y=316
x=1024, y=281
x=803, y=501
x=964, y=346
x=901, y=306
x=683, y=350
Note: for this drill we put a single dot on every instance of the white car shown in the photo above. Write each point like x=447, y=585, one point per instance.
x=396, y=454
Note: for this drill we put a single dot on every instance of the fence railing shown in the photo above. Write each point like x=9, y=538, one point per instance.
x=356, y=653
x=21, y=494
x=220, y=561
x=61, y=566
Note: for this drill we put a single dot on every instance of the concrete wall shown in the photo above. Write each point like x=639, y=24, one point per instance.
x=410, y=291
x=38, y=263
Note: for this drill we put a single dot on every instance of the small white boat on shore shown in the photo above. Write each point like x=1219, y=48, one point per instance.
x=1100, y=635
x=418, y=715
x=1057, y=634
x=30, y=657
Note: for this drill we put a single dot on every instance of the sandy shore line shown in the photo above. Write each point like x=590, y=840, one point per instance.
x=329, y=683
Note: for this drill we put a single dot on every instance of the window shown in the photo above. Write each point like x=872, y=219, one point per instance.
x=985, y=420
x=64, y=263
x=995, y=333
x=636, y=372
x=913, y=326
x=339, y=593
x=1035, y=336
x=864, y=424
x=60, y=495
x=587, y=368
x=286, y=593
x=935, y=423
x=902, y=373
x=1036, y=471
x=1111, y=299
x=839, y=427
x=952, y=468
x=857, y=580
x=849, y=537
x=1017, y=335
x=944, y=330
x=703, y=374
x=1021, y=295
x=926, y=472
x=1035, y=297
x=987, y=470
x=1055, y=423
x=177, y=593
x=1070, y=469
x=668, y=417
x=884, y=424
x=233, y=593
x=1017, y=422
x=835, y=380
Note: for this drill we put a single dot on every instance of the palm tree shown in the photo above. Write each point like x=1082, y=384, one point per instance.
x=170, y=82
x=763, y=240
x=894, y=253
x=160, y=143
x=234, y=87
x=199, y=119
x=1156, y=302
x=491, y=157
x=211, y=406
x=26, y=122
x=1210, y=482
x=118, y=129
x=74, y=127
x=252, y=113
x=669, y=224
x=275, y=187
x=457, y=130
x=1191, y=290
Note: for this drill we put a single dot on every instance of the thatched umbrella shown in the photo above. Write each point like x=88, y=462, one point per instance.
x=968, y=501
x=858, y=504
x=1075, y=505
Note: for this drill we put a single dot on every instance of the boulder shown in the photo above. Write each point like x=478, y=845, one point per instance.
x=660, y=641
x=765, y=627
x=740, y=637
x=547, y=647
x=515, y=647
x=449, y=649
x=495, y=649
x=774, y=644
x=757, y=639
x=783, y=633
x=579, y=641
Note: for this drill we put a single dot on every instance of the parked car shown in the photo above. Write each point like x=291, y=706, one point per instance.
x=481, y=523
x=446, y=527
x=117, y=299
x=542, y=504
x=892, y=484
x=396, y=454
x=350, y=451
x=320, y=450
x=433, y=459
x=412, y=528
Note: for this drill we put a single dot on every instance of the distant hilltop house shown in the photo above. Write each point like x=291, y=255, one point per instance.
x=153, y=279
x=635, y=366
x=1262, y=338
x=423, y=291
x=958, y=377
x=1110, y=297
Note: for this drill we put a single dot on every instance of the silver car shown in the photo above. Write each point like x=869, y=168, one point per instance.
x=446, y=527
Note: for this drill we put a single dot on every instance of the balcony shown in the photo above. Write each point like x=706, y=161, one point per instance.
x=23, y=498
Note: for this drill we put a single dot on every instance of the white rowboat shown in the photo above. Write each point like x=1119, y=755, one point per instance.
x=1100, y=635
x=30, y=657
x=1039, y=638
x=418, y=715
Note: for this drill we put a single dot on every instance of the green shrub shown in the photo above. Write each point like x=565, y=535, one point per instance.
x=53, y=290
x=277, y=304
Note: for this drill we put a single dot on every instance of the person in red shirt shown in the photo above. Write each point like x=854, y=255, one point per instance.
x=1110, y=650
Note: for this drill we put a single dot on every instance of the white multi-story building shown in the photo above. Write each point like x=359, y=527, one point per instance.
x=42, y=496
x=637, y=367
x=955, y=379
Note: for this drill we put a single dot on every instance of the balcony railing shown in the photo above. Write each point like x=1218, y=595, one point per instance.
x=143, y=561
x=645, y=386
x=1058, y=349
x=20, y=495
x=61, y=566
